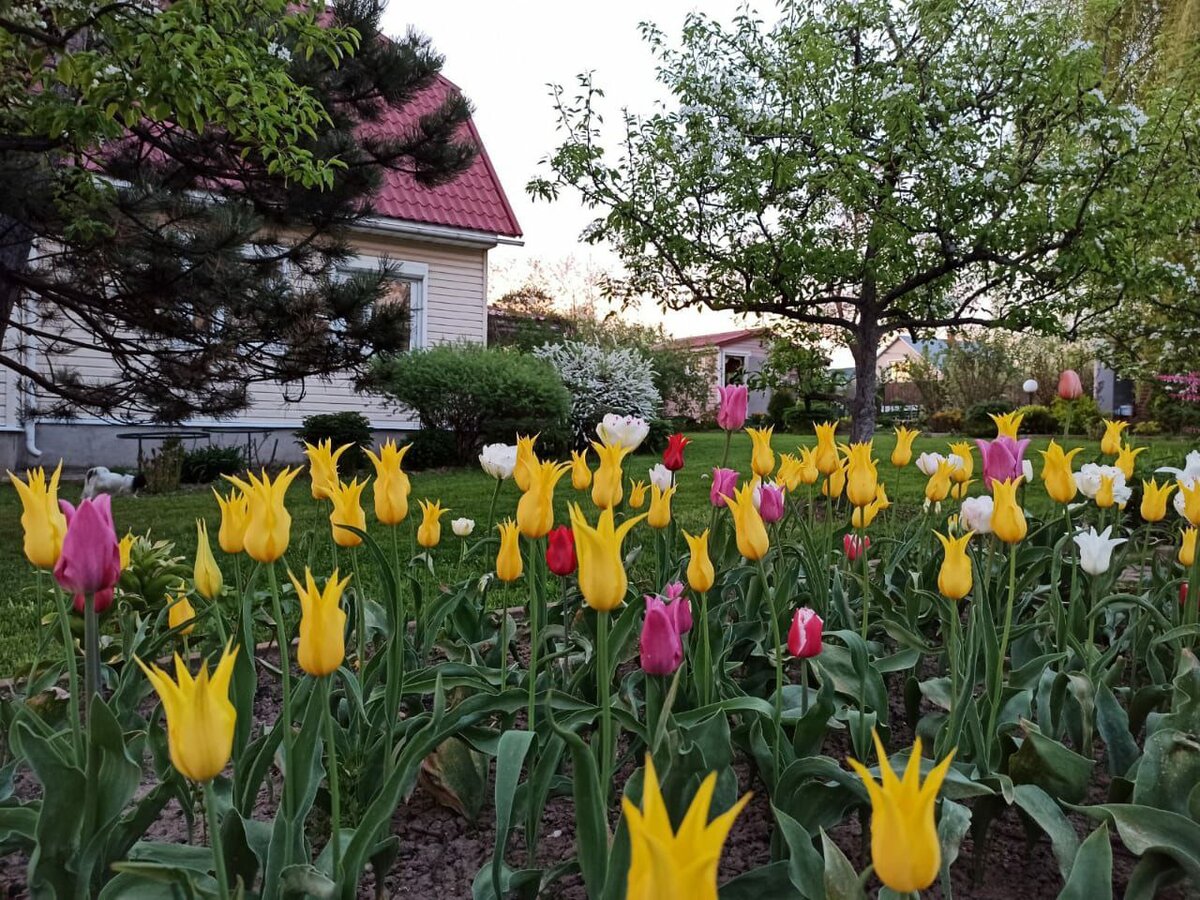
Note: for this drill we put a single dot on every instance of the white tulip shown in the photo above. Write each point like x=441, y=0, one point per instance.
x=1087, y=479
x=498, y=460
x=956, y=462
x=1180, y=501
x=628, y=431
x=1027, y=471
x=1190, y=470
x=661, y=477
x=1095, y=550
x=927, y=463
x=976, y=514
x=462, y=527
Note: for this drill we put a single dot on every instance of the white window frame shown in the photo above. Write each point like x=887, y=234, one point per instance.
x=417, y=274
x=744, y=357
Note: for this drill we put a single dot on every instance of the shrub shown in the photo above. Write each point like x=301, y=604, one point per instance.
x=432, y=449
x=602, y=380
x=477, y=394
x=978, y=420
x=1082, y=414
x=800, y=420
x=1038, y=420
x=339, y=428
x=945, y=420
x=164, y=467
x=1148, y=428
x=779, y=405
x=206, y=464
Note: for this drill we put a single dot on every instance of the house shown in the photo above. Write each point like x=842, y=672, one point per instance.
x=735, y=355
x=438, y=239
x=903, y=348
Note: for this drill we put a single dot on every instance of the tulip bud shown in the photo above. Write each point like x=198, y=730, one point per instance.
x=181, y=612
x=322, y=647
x=700, y=572
x=429, y=532
x=826, y=456
x=1187, y=547
x=205, y=573
x=954, y=577
x=804, y=637
x=854, y=546
x=673, y=455
x=392, y=485
x=1095, y=550
x=660, y=644
x=735, y=399
x=724, y=483
x=762, y=457
x=902, y=453
x=508, y=560
x=1069, y=385
x=560, y=551
x=637, y=494
x=43, y=522
x=769, y=500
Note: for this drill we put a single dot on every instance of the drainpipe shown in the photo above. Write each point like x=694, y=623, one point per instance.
x=28, y=360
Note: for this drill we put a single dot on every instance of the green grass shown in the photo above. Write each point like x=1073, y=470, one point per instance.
x=467, y=492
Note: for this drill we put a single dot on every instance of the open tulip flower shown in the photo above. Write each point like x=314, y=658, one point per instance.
x=182, y=615
x=43, y=522
x=961, y=452
x=1008, y=518
x=673, y=454
x=392, y=485
x=976, y=514
x=789, y=471
x=679, y=606
x=602, y=578
x=751, y=533
x=661, y=644
x=762, y=457
x=462, y=527
x=769, y=501
x=535, y=510
x=235, y=518
x=826, y=454
x=508, y=560
x=862, y=476
x=735, y=399
x=624, y=431
x=927, y=463
x=661, y=476
x=498, y=460
x=526, y=459
x=834, y=484
x=854, y=546
x=1154, y=500
x=637, y=494
x=954, y=577
x=322, y=647
x=902, y=452
x=269, y=524
x=1112, y=440
x=1003, y=458
x=1127, y=459
x=700, y=572
x=660, y=507
x=1057, y=474
x=347, y=511
x=581, y=475
x=863, y=516
x=1095, y=550
x=323, y=467
x=1103, y=485
x=429, y=533
x=90, y=562
x=937, y=488
x=608, y=482
x=724, y=483
x=1008, y=425
x=206, y=574
x=809, y=473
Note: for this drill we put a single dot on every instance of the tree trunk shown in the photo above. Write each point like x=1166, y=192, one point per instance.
x=865, y=349
x=16, y=240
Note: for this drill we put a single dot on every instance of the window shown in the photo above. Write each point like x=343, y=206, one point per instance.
x=734, y=369
x=407, y=287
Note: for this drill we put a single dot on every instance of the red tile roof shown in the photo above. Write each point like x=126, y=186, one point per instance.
x=473, y=201
x=721, y=338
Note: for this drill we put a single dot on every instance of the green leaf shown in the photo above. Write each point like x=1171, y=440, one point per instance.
x=1113, y=725
x=805, y=866
x=1051, y=766
x=770, y=880
x=1168, y=772
x=1042, y=809
x=510, y=758
x=841, y=881
x=1091, y=876
x=1143, y=829
x=592, y=838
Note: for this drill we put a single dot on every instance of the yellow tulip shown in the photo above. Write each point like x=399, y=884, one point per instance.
x=125, y=548
x=200, y=717
x=954, y=577
x=960, y=491
x=863, y=516
x=322, y=624
x=937, y=488
x=1008, y=519
x=1007, y=424
x=1154, y=500
x=347, y=510
x=904, y=840
x=1057, y=473
x=762, y=457
x=669, y=865
x=43, y=522
x=809, y=473
x=834, y=483
x=205, y=573
x=963, y=451
x=902, y=452
x=1127, y=459
x=1191, y=501
x=826, y=455
x=1110, y=444
x=789, y=472
x=1104, y=496
x=581, y=475
x=637, y=494
x=323, y=466
x=752, y=541
x=1187, y=547
x=508, y=561
x=862, y=475
x=526, y=459
x=660, y=506
x=535, y=509
x=602, y=579
x=881, y=497
x=429, y=532
x=700, y=572
x=268, y=524
x=235, y=517
x=392, y=486
x=181, y=612
x=607, y=483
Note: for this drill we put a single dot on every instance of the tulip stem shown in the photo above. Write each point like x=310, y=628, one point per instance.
x=335, y=796
x=997, y=690
x=214, y=840
x=534, y=632
x=64, y=623
x=91, y=651
x=492, y=506
x=602, y=683
x=285, y=672
x=803, y=686
x=1190, y=614
x=712, y=513
x=775, y=636
x=866, y=584
x=360, y=611
x=707, y=672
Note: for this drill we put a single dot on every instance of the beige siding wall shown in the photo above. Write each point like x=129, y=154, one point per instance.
x=898, y=351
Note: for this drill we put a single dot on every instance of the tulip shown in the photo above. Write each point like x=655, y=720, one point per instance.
x=1105, y=495
x=581, y=475
x=666, y=864
x=323, y=467
x=235, y=517
x=1127, y=458
x=960, y=491
x=508, y=560
x=700, y=573
x=660, y=644
x=789, y=474
x=966, y=462
x=1110, y=443
x=902, y=452
x=43, y=522
x=637, y=494
x=809, y=473
x=927, y=463
x=560, y=551
x=526, y=459
x=90, y=561
x=608, y=483
x=673, y=455
x=661, y=476
x=904, y=840
x=627, y=431
x=752, y=541
x=269, y=524
x=826, y=455
x=954, y=577
x=1003, y=459
x=1091, y=478
x=834, y=483
x=976, y=514
x=735, y=399
x=347, y=511
x=206, y=575
x=1095, y=550
x=678, y=606
x=863, y=516
x=660, y=507
x=881, y=497
x=498, y=460
x=1007, y=424
x=1008, y=519
x=1187, y=547
x=462, y=527
x=125, y=549
x=322, y=646
x=1187, y=501
x=535, y=509
x=724, y=483
x=429, y=533
x=762, y=457
x=769, y=501
x=804, y=637
x=862, y=476
x=182, y=615
x=1069, y=385
x=1154, y=500
x=602, y=578
x=392, y=486
x=1057, y=474
x=937, y=488
x=1027, y=471
x=855, y=546
x=200, y=717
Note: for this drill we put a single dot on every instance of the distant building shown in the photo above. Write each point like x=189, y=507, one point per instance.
x=735, y=355
x=1116, y=396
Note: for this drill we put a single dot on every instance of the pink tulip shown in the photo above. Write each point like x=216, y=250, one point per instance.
x=804, y=637
x=679, y=606
x=1069, y=385
x=661, y=646
x=770, y=502
x=90, y=562
x=732, y=413
x=723, y=485
x=854, y=546
x=1003, y=459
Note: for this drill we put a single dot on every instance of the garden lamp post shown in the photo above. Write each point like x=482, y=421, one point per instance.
x=1030, y=387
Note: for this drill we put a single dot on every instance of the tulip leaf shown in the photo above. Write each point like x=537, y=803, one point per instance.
x=1048, y=764
x=1113, y=725
x=1041, y=808
x=770, y=880
x=1144, y=829
x=307, y=881
x=591, y=821
x=1091, y=875
x=1153, y=873
x=510, y=758
x=1168, y=771
x=953, y=824
x=456, y=776
x=805, y=866
x=841, y=881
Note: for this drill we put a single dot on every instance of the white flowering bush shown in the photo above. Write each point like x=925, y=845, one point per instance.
x=602, y=380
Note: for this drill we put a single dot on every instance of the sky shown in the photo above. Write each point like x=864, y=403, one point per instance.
x=502, y=55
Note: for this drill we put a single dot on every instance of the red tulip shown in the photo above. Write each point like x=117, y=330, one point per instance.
x=1069, y=385
x=90, y=562
x=854, y=546
x=661, y=646
x=560, y=552
x=804, y=637
x=673, y=455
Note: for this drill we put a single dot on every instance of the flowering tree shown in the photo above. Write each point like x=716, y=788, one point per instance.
x=873, y=167
x=602, y=380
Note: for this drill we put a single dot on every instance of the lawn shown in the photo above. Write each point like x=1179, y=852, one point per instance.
x=467, y=492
